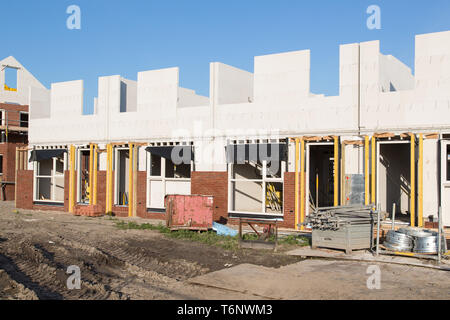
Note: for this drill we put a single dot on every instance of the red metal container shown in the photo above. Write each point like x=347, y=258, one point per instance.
x=191, y=212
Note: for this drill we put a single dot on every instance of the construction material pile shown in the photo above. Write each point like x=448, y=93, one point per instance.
x=334, y=218
x=414, y=240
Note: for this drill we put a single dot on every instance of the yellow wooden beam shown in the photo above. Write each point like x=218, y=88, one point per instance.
x=297, y=158
x=135, y=167
x=130, y=181
x=413, y=181
x=107, y=180
x=302, y=183
x=336, y=171
x=110, y=178
x=72, y=179
x=373, y=191
x=420, y=182
x=366, y=169
x=91, y=165
x=94, y=186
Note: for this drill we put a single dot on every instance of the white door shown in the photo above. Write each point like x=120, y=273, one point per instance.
x=157, y=193
x=445, y=182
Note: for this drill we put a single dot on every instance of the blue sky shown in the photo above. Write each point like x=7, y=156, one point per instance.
x=125, y=37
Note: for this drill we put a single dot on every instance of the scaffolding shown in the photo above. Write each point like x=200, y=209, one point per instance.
x=9, y=123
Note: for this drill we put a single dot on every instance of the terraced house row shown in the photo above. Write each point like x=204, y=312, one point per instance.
x=262, y=144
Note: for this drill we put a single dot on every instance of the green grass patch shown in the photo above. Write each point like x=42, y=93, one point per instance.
x=208, y=237
x=294, y=240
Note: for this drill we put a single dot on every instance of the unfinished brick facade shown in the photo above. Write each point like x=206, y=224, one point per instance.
x=13, y=136
x=202, y=183
x=25, y=193
x=213, y=184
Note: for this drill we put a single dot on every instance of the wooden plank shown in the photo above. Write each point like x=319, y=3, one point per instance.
x=384, y=135
x=431, y=136
x=353, y=142
x=405, y=135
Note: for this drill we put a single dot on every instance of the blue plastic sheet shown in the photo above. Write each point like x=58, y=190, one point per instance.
x=224, y=230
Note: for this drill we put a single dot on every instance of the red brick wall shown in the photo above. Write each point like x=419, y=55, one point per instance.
x=25, y=193
x=8, y=151
x=14, y=115
x=289, y=200
x=213, y=184
x=24, y=189
x=66, y=190
x=101, y=189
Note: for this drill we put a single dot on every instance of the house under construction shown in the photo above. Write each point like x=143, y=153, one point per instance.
x=15, y=84
x=262, y=144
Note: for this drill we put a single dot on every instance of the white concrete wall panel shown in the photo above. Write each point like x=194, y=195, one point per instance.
x=25, y=81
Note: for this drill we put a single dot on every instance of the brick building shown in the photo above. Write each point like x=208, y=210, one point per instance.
x=15, y=86
x=262, y=144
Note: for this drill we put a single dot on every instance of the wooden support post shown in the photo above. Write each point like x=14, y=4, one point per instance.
x=302, y=184
x=343, y=200
x=94, y=186
x=91, y=165
x=108, y=173
x=15, y=179
x=135, y=169
x=111, y=179
x=130, y=181
x=420, y=183
x=413, y=180
x=317, y=189
x=336, y=171
x=296, y=196
x=366, y=170
x=72, y=179
x=373, y=191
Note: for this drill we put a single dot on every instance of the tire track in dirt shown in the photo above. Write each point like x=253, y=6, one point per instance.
x=137, y=271
x=12, y=290
x=36, y=267
x=138, y=256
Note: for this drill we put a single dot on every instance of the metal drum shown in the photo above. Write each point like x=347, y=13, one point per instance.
x=425, y=241
x=417, y=232
x=428, y=244
x=398, y=241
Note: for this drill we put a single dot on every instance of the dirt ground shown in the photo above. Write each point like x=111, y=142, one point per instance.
x=36, y=248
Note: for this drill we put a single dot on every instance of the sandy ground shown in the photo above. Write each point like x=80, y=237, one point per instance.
x=37, y=247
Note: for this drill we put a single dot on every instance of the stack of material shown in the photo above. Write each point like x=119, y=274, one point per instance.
x=334, y=218
x=347, y=228
x=89, y=210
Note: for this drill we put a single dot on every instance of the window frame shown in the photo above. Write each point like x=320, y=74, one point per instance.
x=20, y=119
x=264, y=180
x=162, y=177
x=78, y=173
x=52, y=178
x=116, y=174
x=3, y=117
